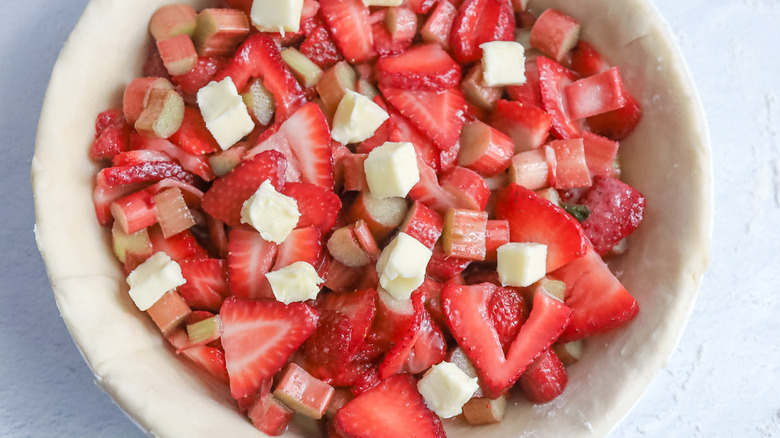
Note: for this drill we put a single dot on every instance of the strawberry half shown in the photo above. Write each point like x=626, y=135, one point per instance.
x=535, y=219
x=553, y=78
x=598, y=300
x=227, y=194
x=544, y=379
x=206, y=286
x=393, y=408
x=616, y=210
x=425, y=67
x=477, y=22
x=327, y=351
x=469, y=320
x=249, y=258
x=259, y=336
x=302, y=245
x=318, y=207
x=348, y=21
x=319, y=46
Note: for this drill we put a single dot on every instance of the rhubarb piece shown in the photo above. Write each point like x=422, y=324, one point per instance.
x=127, y=247
x=568, y=352
x=259, y=101
x=600, y=154
x=597, y=94
x=439, y=24
x=381, y=216
x=464, y=233
x=484, y=149
x=401, y=22
x=307, y=72
x=468, y=188
x=423, y=224
x=555, y=33
x=169, y=312
x=618, y=124
x=551, y=286
x=496, y=235
x=268, y=414
x=571, y=169
x=353, y=171
x=172, y=20
x=302, y=393
x=220, y=31
x=476, y=91
x=530, y=169
x=178, y=54
x=136, y=95
x=172, y=212
x=222, y=162
x=135, y=212
x=334, y=83
x=482, y=410
x=162, y=115
x=205, y=331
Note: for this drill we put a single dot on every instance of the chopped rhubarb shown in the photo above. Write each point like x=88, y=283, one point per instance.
x=527, y=126
x=307, y=72
x=172, y=212
x=381, y=215
x=259, y=101
x=464, y=234
x=137, y=93
x=220, y=31
x=597, y=94
x=178, y=54
x=303, y=393
x=169, y=312
x=571, y=169
x=135, y=212
x=171, y=20
x=334, y=83
x=162, y=115
x=555, y=33
x=484, y=149
x=205, y=331
x=476, y=91
x=423, y=224
x=482, y=410
x=439, y=24
x=496, y=235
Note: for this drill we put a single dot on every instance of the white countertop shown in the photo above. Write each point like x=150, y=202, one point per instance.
x=724, y=378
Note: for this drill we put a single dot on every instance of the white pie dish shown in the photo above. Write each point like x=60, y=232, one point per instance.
x=667, y=158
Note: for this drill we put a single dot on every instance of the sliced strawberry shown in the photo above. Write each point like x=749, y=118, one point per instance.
x=618, y=124
x=318, y=207
x=210, y=359
x=466, y=309
x=528, y=94
x=358, y=306
x=141, y=156
x=598, y=300
x=571, y=169
x=553, y=79
x=544, y=379
x=111, y=135
x=421, y=6
x=424, y=67
x=148, y=172
x=193, y=136
x=429, y=192
x=477, y=22
x=600, y=153
x=586, y=60
x=318, y=45
x=205, y=70
x=338, y=276
x=528, y=126
x=258, y=56
x=259, y=336
x=401, y=129
x=507, y=310
x=302, y=245
x=396, y=358
x=227, y=195
x=393, y=408
x=535, y=219
x=554, y=33
x=327, y=351
x=468, y=188
x=179, y=247
x=206, y=286
x=384, y=43
x=437, y=115
x=616, y=210
x=439, y=24
x=423, y=224
x=430, y=347
x=304, y=139
x=348, y=21
x=249, y=258
x=197, y=164
x=443, y=267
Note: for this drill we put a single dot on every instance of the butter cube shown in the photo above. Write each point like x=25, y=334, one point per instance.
x=271, y=213
x=150, y=280
x=224, y=112
x=401, y=266
x=391, y=170
x=503, y=63
x=521, y=263
x=296, y=282
x=277, y=15
x=357, y=118
x=446, y=388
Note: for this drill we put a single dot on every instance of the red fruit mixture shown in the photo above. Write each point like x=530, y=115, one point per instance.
x=535, y=161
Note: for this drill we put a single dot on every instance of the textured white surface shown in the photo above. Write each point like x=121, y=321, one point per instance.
x=724, y=378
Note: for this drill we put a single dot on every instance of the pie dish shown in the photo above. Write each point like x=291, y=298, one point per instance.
x=667, y=158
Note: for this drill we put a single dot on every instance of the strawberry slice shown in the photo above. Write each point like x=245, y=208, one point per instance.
x=616, y=210
x=423, y=224
x=179, y=247
x=477, y=22
x=400, y=129
x=348, y=21
x=507, y=313
x=193, y=136
x=302, y=245
x=304, y=139
x=196, y=164
x=598, y=300
x=535, y=219
x=318, y=207
x=259, y=336
x=206, y=286
x=210, y=359
x=150, y=171
x=249, y=258
x=586, y=60
x=392, y=408
x=618, y=124
x=553, y=79
x=544, y=379
x=439, y=115
x=319, y=46
x=111, y=135
x=424, y=67
x=259, y=56
x=396, y=358
x=429, y=192
x=203, y=72
x=421, y=6
x=227, y=194
x=327, y=351
x=444, y=267
x=468, y=317
x=358, y=306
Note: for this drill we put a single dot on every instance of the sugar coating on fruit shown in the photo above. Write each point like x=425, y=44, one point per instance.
x=357, y=118
x=150, y=280
x=276, y=15
x=503, y=63
x=296, y=282
x=446, y=388
x=271, y=213
x=391, y=170
x=224, y=112
x=401, y=266
x=521, y=263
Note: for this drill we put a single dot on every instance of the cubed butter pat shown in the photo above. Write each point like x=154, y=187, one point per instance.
x=521, y=263
x=271, y=213
x=391, y=170
x=503, y=63
x=277, y=15
x=150, y=280
x=382, y=2
x=224, y=112
x=356, y=119
x=296, y=282
x=401, y=266
x=446, y=388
